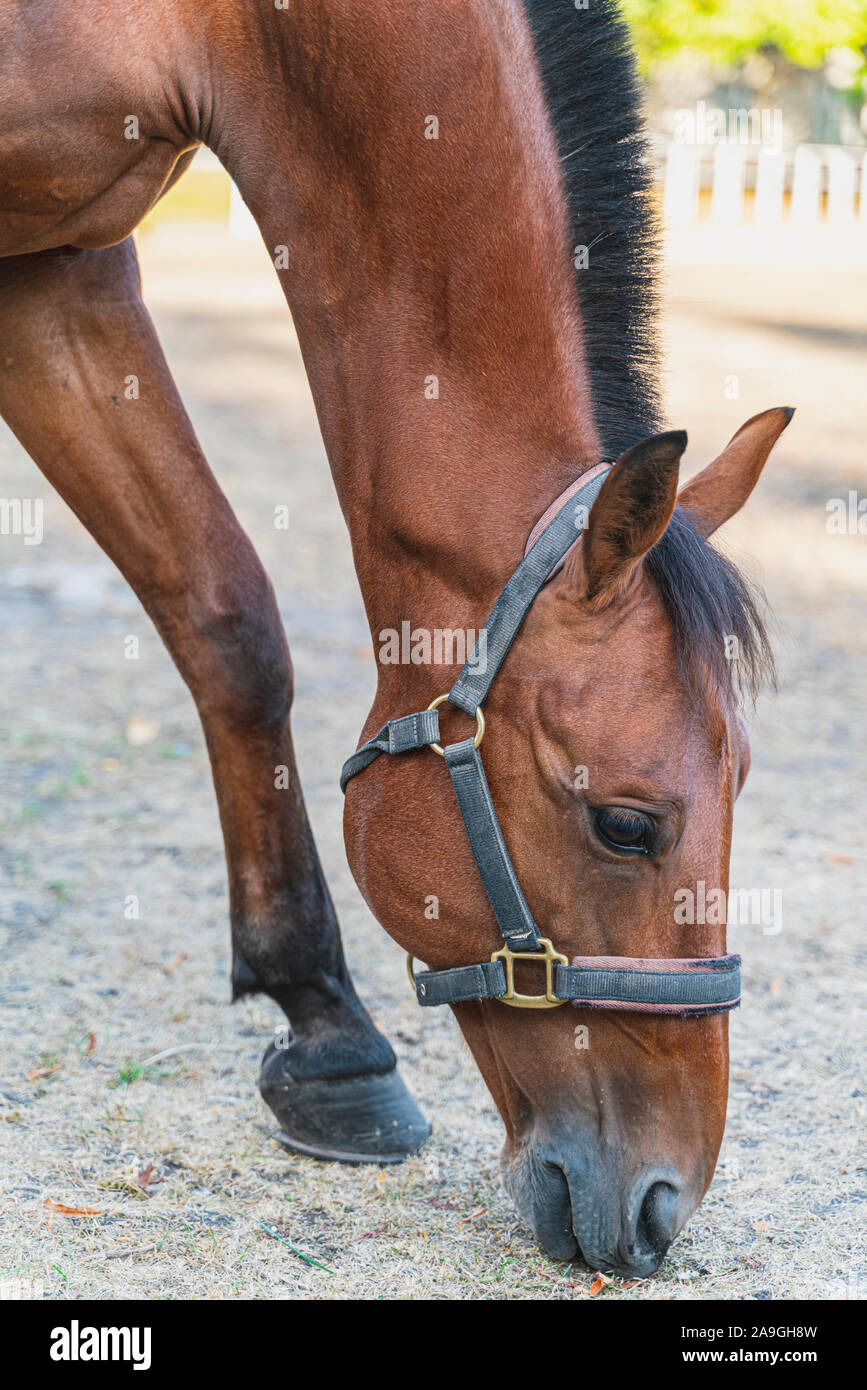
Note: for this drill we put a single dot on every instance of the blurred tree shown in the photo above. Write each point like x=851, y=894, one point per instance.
x=726, y=32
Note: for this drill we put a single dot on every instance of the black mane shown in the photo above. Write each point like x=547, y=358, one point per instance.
x=588, y=75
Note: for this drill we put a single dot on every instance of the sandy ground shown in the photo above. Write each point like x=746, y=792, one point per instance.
x=106, y=796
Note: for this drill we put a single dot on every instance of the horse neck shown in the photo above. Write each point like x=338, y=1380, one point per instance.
x=429, y=279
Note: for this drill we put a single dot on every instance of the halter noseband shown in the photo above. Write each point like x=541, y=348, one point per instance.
x=687, y=987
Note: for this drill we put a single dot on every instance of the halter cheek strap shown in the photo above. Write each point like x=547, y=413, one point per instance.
x=683, y=986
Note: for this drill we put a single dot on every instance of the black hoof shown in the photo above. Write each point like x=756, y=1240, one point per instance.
x=360, y=1119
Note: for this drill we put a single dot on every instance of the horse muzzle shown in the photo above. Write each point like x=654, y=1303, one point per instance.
x=581, y=1206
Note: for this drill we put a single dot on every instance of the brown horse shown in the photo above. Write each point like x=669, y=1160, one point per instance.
x=456, y=196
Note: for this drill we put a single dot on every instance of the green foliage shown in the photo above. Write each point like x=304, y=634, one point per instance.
x=727, y=31
x=127, y=1074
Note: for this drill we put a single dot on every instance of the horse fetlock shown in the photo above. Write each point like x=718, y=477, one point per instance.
x=334, y=1051
x=328, y=1033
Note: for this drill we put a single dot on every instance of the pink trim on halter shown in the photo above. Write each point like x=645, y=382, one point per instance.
x=557, y=506
x=656, y=965
x=659, y=964
x=681, y=1010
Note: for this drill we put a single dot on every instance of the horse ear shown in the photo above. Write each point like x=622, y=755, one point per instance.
x=628, y=517
x=723, y=487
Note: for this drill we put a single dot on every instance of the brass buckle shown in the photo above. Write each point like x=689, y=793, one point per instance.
x=548, y=1000
x=480, y=723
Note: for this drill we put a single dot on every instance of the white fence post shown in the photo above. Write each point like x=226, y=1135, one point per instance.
x=726, y=208
x=806, y=186
x=841, y=188
x=770, y=185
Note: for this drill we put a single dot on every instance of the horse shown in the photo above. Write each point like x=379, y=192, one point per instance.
x=458, y=202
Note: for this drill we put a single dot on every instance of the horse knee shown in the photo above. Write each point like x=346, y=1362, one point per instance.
x=245, y=673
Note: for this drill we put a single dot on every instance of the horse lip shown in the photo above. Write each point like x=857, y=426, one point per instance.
x=555, y=1200
x=539, y=1189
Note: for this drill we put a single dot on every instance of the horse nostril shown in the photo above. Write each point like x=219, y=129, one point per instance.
x=657, y=1218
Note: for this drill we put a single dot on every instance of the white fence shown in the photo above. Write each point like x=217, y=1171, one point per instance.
x=734, y=188
x=733, y=185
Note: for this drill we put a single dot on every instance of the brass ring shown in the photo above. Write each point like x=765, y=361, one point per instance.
x=418, y=986
x=480, y=723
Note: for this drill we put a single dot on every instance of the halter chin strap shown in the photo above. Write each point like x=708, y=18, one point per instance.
x=679, y=986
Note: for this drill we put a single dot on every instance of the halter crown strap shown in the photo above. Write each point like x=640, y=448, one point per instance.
x=681, y=986
x=514, y=603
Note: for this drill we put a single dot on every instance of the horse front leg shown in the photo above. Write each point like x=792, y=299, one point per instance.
x=73, y=330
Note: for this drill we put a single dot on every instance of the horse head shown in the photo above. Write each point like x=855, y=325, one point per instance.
x=614, y=752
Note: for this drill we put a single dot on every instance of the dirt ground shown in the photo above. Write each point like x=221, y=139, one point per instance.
x=119, y=1047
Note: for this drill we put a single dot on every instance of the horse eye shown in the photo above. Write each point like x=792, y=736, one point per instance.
x=628, y=831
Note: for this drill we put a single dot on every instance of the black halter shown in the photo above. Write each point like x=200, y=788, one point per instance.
x=676, y=986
